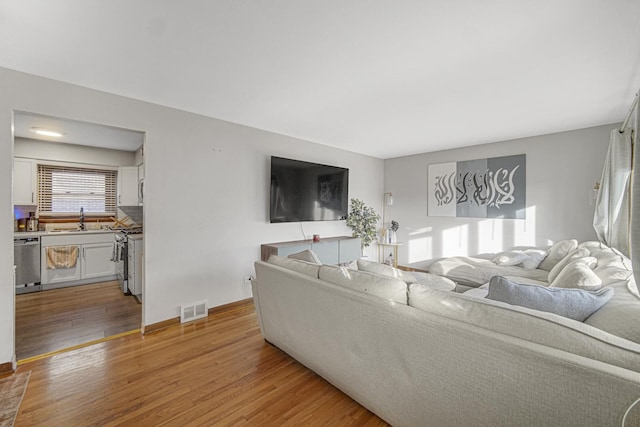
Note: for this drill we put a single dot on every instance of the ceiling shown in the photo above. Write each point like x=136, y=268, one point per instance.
x=379, y=77
x=76, y=132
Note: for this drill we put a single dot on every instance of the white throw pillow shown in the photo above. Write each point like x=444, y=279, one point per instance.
x=578, y=274
x=534, y=258
x=306, y=255
x=304, y=267
x=557, y=252
x=510, y=258
x=571, y=256
x=386, y=270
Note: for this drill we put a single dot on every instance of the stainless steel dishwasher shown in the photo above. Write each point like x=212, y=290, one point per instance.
x=26, y=256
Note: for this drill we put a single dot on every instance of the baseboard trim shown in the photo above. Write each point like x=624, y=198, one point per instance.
x=155, y=327
x=6, y=368
x=243, y=303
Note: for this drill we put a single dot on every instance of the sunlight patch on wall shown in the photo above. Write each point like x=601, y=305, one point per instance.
x=490, y=232
x=455, y=241
x=420, y=249
x=421, y=231
x=524, y=232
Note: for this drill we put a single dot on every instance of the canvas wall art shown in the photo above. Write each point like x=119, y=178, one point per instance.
x=483, y=188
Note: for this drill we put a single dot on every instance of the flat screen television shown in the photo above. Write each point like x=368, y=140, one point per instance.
x=304, y=191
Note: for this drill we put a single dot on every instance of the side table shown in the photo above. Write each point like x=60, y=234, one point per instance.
x=381, y=250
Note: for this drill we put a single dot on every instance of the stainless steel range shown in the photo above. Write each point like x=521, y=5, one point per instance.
x=120, y=255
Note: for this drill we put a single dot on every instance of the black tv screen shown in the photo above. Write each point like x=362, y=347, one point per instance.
x=304, y=191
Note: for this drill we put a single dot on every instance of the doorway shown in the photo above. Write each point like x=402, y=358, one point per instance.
x=81, y=300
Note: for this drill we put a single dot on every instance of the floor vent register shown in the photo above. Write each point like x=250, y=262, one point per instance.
x=194, y=311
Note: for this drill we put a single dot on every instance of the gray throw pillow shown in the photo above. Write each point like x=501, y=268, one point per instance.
x=576, y=304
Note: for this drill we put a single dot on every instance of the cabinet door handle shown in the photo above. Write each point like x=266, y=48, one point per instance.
x=32, y=196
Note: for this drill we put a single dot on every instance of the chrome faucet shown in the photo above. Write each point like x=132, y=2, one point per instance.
x=81, y=219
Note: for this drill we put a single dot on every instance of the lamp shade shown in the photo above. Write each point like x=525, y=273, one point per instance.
x=388, y=199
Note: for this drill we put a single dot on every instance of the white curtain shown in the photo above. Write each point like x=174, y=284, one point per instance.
x=612, y=217
x=635, y=201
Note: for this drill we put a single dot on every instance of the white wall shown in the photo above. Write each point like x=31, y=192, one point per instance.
x=562, y=169
x=59, y=152
x=206, y=199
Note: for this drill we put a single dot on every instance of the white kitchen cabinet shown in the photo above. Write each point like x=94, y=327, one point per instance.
x=96, y=260
x=59, y=275
x=93, y=258
x=135, y=252
x=127, y=186
x=25, y=182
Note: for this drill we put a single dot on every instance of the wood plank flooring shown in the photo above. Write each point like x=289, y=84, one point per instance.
x=60, y=318
x=214, y=371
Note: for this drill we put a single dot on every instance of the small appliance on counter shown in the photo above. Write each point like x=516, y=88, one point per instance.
x=32, y=222
x=22, y=224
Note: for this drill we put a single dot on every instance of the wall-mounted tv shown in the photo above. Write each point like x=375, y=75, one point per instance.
x=304, y=191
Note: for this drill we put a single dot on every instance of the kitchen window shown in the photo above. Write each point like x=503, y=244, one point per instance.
x=64, y=190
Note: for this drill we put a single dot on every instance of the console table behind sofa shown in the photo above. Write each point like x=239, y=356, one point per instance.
x=330, y=250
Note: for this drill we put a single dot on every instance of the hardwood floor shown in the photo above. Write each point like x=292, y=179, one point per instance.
x=214, y=371
x=53, y=320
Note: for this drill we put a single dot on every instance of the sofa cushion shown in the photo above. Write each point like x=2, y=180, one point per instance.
x=477, y=271
x=571, y=256
x=386, y=287
x=578, y=274
x=385, y=270
x=539, y=327
x=556, y=252
x=351, y=265
x=304, y=267
x=435, y=282
x=306, y=255
x=575, y=304
x=620, y=315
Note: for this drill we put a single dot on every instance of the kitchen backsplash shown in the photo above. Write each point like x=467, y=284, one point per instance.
x=134, y=213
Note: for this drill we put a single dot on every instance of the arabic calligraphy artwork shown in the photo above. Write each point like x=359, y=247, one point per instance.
x=483, y=188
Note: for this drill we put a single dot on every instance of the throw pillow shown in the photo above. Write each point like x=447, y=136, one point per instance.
x=557, y=252
x=304, y=267
x=571, y=256
x=578, y=274
x=510, y=258
x=386, y=270
x=575, y=304
x=306, y=255
x=534, y=258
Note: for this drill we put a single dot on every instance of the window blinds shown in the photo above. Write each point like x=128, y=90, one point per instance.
x=64, y=190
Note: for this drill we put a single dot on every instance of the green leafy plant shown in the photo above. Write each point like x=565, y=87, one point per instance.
x=362, y=220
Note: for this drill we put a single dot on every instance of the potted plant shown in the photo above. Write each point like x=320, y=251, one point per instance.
x=362, y=219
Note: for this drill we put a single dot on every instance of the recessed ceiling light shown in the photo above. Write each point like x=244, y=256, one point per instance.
x=46, y=132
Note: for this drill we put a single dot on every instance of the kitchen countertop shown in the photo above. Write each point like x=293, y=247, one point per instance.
x=23, y=234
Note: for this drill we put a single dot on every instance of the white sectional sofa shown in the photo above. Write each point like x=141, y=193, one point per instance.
x=567, y=264
x=415, y=353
